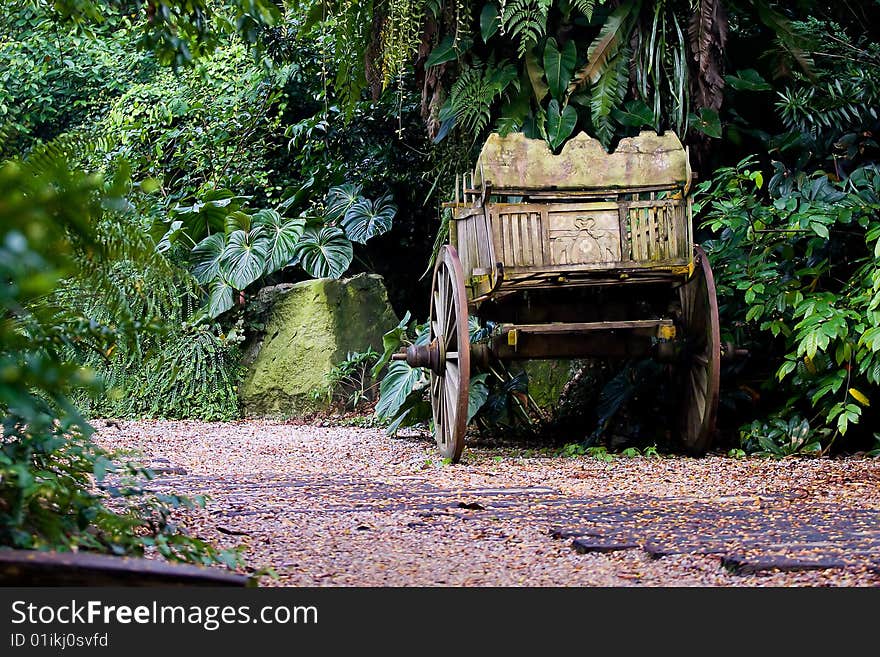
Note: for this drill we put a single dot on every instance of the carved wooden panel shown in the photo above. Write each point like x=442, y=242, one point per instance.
x=584, y=234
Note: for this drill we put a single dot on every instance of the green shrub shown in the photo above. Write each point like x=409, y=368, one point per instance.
x=58, y=490
x=798, y=275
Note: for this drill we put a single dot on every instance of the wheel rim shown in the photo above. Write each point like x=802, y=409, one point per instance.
x=449, y=326
x=701, y=356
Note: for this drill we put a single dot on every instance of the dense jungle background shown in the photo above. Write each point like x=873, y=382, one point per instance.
x=164, y=160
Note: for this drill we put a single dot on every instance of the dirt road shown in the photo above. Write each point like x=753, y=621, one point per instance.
x=345, y=506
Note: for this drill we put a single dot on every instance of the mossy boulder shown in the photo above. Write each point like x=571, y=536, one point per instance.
x=308, y=328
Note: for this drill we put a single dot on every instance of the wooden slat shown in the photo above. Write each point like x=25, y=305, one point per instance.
x=497, y=233
x=537, y=247
x=466, y=241
x=623, y=227
x=582, y=327
x=482, y=242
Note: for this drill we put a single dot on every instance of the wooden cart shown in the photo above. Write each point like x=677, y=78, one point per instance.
x=580, y=254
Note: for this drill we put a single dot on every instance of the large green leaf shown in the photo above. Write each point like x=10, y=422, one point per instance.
x=478, y=393
x=706, y=122
x=340, y=199
x=614, y=32
x=324, y=252
x=244, y=258
x=283, y=234
x=490, y=21
x=396, y=386
x=560, y=125
x=391, y=342
x=208, y=214
x=635, y=114
x=220, y=297
x=236, y=220
x=171, y=235
x=558, y=66
x=206, y=258
x=747, y=80
x=443, y=52
x=536, y=75
x=366, y=219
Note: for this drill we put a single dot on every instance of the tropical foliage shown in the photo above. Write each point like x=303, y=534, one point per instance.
x=58, y=225
x=230, y=144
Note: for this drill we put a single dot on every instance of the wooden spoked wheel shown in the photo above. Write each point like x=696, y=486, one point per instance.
x=700, y=356
x=450, y=377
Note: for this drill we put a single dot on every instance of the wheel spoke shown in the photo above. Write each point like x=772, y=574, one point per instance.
x=441, y=301
x=443, y=427
x=451, y=324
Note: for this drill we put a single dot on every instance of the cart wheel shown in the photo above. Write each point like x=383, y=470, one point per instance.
x=701, y=356
x=451, y=378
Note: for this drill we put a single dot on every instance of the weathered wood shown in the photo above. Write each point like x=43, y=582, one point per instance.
x=33, y=568
x=585, y=327
x=631, y=343
x=517, y=162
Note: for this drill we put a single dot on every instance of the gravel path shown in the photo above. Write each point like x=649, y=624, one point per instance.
x=344, y=506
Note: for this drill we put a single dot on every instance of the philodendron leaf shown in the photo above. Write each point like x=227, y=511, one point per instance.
x=236, y=220
x=366, y=219
x=536, y=76
x=340, y=199
x=206, y=258
x=397, y=384
x=560, y=125
x=559, y=65
x=244, y=258
x=175, y=230
x=324, y=252
x=220, y=297
x=283, y=235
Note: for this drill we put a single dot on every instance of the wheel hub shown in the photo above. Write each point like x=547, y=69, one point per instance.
x=431, y=355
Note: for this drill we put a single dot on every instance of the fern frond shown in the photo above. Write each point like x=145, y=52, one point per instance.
x=69, y=147
x=586, y=7
x=607, y=94
x=614, y=32
x=475, y=90
x=525, y=20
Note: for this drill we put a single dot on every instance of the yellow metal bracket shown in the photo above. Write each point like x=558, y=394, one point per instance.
x=686, y=270
x=512, y=337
